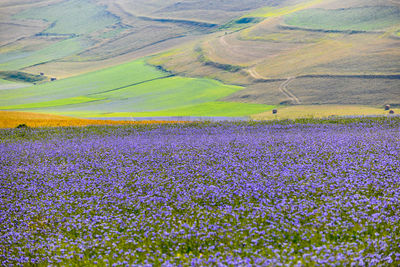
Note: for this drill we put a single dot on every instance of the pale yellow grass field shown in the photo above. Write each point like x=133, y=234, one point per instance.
x=11, y=119
x=321, y=111
x=317, y=58
x=230, y=49
x=185, y=61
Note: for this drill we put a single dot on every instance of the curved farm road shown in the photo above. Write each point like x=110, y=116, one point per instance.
x=253, y=73
x=223, y=42
x=283, y=87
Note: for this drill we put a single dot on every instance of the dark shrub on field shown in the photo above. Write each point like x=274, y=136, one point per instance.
x=22, y=126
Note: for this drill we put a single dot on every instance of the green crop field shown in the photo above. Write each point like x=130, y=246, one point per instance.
x=209, y=109
x=135, y=88
x=351, y=19
x=67, y=17
x=86, y=84
x=167, y=93
x=49, y=53
x=54, y=103
x=4, y=82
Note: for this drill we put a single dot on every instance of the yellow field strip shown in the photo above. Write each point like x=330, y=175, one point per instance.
x=322, y=111
x=11, y=119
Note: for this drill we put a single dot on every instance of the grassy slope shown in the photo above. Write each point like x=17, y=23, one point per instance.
x=374, y=92
x=134, y=87
x=86, y=84
x=5, y=82
x=111, y=29
x=52, y=52
x=8, y=85
x=168, y=93
x=53, y=103
x=189, y=60
x=356, y=19
x=309, y=52
x=208, y=109
x=68, y=17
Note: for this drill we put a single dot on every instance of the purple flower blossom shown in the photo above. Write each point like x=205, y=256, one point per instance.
x=218, y=194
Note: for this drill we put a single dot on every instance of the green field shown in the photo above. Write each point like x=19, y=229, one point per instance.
x=54, y=103
x=86, y=84
x=49, y=53
x=214, y=109
x=351, y=19
x=208, y=109
x=5, y=82
x=166, y=94
x=135, y=88
x=67, y=17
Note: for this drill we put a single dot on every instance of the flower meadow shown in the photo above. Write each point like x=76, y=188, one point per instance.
x=220, y=194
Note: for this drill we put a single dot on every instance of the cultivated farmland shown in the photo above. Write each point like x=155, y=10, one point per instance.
x=108, y=32
x=263, y=53
x=351, y=19
x=133, y=89
x=351, y=53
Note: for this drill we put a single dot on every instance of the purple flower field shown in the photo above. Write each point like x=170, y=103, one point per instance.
x=239, y=194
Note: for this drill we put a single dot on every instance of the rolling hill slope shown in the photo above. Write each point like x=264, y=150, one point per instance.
x=131, y=89
x=361, y=19
x=102, y=33
x=332, y=52
x=201, y=58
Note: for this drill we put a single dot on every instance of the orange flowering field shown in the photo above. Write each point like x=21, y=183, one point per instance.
x=11, y=119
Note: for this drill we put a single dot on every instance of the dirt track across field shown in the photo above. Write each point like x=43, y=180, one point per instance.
x=282, y=88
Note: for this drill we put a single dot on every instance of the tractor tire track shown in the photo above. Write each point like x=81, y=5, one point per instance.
x=282, y=88
x=253, y=73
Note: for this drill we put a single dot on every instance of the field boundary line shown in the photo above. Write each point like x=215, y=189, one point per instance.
x=134, y=84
